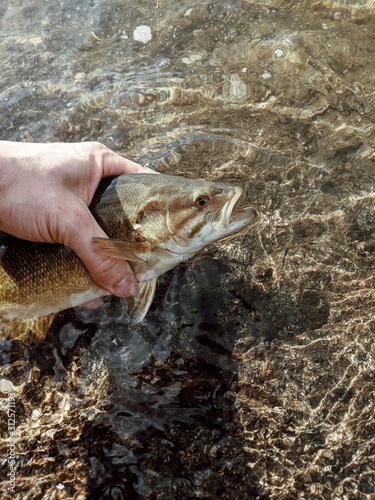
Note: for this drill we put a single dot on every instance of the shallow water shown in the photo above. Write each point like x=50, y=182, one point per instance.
x=252, y=376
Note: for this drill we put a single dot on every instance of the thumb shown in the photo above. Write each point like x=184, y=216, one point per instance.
x=114, y=275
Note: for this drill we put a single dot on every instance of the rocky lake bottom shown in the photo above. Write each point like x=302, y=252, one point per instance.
x=252, y=375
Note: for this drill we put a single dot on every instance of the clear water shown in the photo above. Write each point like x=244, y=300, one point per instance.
x=253, y=373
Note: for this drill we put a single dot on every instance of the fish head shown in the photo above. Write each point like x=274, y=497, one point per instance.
x=165, y=220
x=190, y=214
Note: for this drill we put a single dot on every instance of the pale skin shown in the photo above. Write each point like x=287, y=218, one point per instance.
x=45, y=190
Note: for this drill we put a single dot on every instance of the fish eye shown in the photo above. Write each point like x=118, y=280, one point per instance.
x=201, y=201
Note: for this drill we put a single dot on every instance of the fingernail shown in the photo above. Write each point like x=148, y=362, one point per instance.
x=127, y=286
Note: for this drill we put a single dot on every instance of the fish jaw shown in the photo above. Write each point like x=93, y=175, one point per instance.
x=222, y=218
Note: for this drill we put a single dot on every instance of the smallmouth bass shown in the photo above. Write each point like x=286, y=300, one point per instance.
x=153, y=221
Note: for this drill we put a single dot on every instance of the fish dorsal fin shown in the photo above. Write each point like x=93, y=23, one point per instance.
x=139, y=304
x=30, y=331
x=120, y=249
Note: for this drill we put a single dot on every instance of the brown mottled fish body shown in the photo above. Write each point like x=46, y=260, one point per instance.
x=153, y=221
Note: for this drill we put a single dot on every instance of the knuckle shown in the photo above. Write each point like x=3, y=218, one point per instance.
x=105, y=267
x=96, y=147
x=108, y=272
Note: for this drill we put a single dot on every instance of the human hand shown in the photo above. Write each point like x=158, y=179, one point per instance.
x=45, y=190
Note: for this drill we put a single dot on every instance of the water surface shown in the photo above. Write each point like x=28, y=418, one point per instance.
x=252, y=376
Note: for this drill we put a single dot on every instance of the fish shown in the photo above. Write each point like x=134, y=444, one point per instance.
x=155, y=222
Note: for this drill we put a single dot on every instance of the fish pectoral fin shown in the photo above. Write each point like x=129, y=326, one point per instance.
x=120, y=249
x=30, y=331
x=139, y=304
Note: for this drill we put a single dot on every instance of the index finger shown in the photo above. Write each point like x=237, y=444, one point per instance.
x=114, y=164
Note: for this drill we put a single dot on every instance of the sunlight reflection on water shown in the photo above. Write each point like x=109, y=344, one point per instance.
x=251, y=372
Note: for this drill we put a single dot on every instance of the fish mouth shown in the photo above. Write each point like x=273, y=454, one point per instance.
x=248, y=213
x=233, y=213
